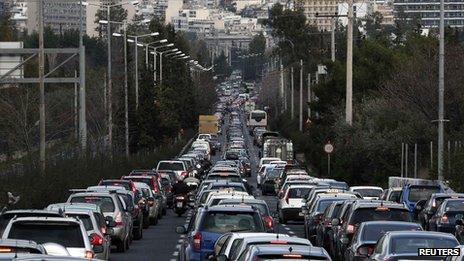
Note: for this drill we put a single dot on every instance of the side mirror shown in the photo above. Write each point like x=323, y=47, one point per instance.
x=335, y=222
x=459, y=222
x=110, y=221
x=181, y=230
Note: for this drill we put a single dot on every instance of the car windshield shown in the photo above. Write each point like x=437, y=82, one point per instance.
x=404, y=245
x=146, y=181
x=323, y=204
x=421, y=193
x=395, y=196
x=274, y=173
x=223, y=222
x=229, y=178
x=372, y=214
x=106, y=204
x=63, y=233
x=455, y=205
x=369, y=192
x=298, y=192
x=174, y=166
x=86, y=220
x=281, y=257
x=375, y=232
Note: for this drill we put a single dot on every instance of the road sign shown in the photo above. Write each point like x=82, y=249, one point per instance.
x=328, y=148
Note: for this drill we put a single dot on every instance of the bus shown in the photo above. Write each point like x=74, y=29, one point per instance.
x=257, y=118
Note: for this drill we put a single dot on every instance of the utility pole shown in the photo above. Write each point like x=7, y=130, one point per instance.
x=76, y=107
x=441, y=90
x=349, y=65
x=136, y=74
x=41, y=88
x=282, y=83
x=309, y=95
x=82, y=108
x=292, y=109
x=110, y=89
x=301, y=96
x=126, y=94
x=332, y=40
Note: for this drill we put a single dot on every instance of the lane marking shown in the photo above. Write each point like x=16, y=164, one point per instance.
x=176, y=253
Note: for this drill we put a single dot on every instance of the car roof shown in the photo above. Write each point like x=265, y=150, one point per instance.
x=75, y=206
x=47, y=219
x=388, y=222
x=365, y=187
x=289, y=249
x=230, y=208
x=245, y=200
x=419, y=233
x=335, y=195
x=25, y=211
x=360, y=203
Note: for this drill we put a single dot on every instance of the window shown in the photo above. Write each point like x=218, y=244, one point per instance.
x=63, y=233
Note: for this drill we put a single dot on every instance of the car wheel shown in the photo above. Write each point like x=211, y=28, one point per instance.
x=146, y=223
x=121, y=246
x=154, y=221
x=138, y=233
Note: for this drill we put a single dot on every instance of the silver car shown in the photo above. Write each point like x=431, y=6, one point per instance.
x=94, y=222
x=65, y=231
x=114, y=209
x=152, y=211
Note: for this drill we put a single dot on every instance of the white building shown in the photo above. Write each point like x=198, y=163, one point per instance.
x=360, y=10
x=193, y=20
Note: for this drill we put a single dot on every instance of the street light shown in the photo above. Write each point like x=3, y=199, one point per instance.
x=147, y=46
x=161, y=61
x=136, y=37
x=154, y=56
x=110, y=83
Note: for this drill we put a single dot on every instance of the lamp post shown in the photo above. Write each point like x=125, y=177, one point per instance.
x=126, y=88
x=136, y=38
x=110, y=89
x=154, y=56
x=161, y=62
x=147, y=47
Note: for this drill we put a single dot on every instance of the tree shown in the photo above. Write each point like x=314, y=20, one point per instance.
x=7, y=29
x=221, y=66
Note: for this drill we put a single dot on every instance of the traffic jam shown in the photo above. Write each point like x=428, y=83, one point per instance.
x=244, y=196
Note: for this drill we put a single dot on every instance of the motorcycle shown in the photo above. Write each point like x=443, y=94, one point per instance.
x=180, y=204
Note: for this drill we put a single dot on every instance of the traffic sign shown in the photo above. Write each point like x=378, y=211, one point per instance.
x=328, y=148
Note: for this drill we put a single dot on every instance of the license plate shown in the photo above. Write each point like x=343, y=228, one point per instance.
x=179, y=204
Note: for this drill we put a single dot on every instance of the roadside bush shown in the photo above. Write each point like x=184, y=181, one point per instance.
x=37, y=189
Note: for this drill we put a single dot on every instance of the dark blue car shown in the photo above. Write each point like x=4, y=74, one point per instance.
x=210, y=223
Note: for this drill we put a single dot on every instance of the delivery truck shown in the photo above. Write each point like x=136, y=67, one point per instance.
x=208, y=124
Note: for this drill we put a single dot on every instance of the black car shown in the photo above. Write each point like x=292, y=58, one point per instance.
x=366, y=237
x=324, y=233
x=444, y=220
x=429, y=207
x=367, y=210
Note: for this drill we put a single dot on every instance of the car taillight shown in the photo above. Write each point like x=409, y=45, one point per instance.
x=89, y=255
x=197, y=241
x=118, y=220
x=268, y=222
x=184, y=174
x=96, y=240
x=350, y=229
x=444, y=219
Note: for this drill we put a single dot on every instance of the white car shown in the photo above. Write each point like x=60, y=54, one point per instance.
x=214, y=199
x=291, y=201
x=368, y=192
x=65, y=231
x=263, y=161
